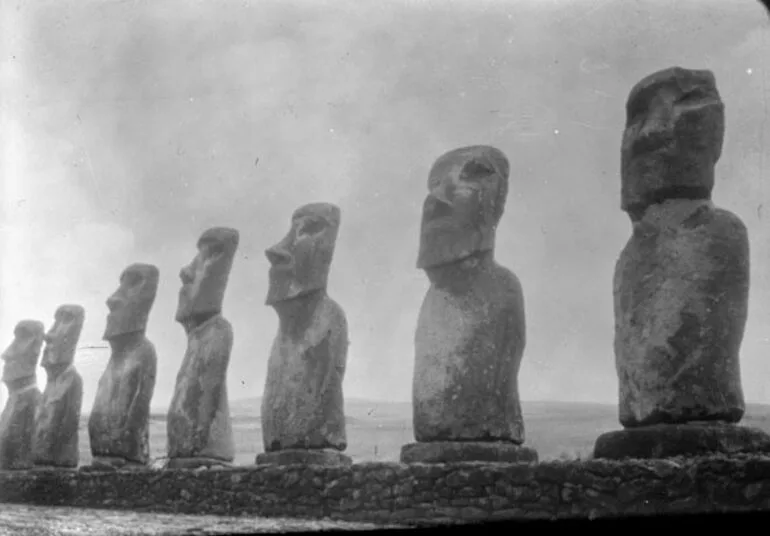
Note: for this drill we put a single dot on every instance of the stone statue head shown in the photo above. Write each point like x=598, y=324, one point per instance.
x=62, y=339
x=204, y=280
x=467, y=192
x=130, y=304
x=22, y=355
x=673, y=138
x=300, y=262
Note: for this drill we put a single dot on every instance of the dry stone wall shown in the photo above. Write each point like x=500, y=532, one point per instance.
x=418, y=493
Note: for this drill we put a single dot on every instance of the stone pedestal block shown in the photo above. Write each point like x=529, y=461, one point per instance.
x=691, y=439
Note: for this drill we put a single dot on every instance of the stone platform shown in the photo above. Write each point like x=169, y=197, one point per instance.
x=467, y=451
x=303, y=456
x=691, y=439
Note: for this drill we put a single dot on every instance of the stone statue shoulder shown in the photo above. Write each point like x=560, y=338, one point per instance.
x=71, y=376
x=145, y=351
x=506, y=286
x=332, y=314
x=217, y=327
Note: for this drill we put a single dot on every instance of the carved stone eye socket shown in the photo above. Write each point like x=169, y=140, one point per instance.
x=311, y=227
x=214, y=250
x=637, y=108
x=691, y=97
x=22, y=333
x=475, y=170
x=132, y=279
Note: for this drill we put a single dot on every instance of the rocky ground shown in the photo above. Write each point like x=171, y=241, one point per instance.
x=23, y=520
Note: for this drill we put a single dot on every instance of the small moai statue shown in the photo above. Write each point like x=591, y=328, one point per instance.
x=198, y=425
x=56, y=442
x=471, y=329
x=17, y=422
x=681, y=283
x=303, y=416
x=119, y=425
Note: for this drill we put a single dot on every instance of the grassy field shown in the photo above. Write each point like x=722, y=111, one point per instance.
x=377, y=430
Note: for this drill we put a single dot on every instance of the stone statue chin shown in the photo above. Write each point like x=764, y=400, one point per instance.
x=470, y=335
x=119, y=423
x=17, y=422
x=198, y=426
x=303, y=418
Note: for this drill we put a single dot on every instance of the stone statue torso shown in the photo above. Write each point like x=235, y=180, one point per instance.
x=199, y=417
x=681, y=302
x=17, y=428
x=58, y=420
x=119, y=422
x=468, y=348
x=302, y=406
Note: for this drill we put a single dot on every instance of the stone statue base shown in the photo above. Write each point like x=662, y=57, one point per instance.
x=467, y=451
x=108, y=463
x=196, y=463
x=303, y=457
x=691, y=439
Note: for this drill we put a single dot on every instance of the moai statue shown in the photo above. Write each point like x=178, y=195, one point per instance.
x=471, y=329
x=303, y=416
x=17, y=422
x=198, y=426
x=119, y=425
x=681, y=283
x=58, y=417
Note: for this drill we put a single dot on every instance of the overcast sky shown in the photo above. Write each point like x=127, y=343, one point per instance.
x=129, y=127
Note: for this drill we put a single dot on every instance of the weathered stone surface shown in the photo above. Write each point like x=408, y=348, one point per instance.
x=681, y=283
x=17, y=422
x=303, y=457
x=303, y=405
x=119, y=424
x=467, y=451
x=692, y=439
x=672, y=140
x=681, y=302
x=198, y=425
x=471, y=329
x=56, y=423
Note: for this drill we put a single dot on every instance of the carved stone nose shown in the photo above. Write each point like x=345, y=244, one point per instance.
x=277, y=256
x=113, y=302
x=436, y=207
x=185, y=274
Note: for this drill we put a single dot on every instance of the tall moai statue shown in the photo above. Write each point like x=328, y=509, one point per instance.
x=303, y=416
x=198, y=426
x=681, y=283
x=56, y=441
x=119, y=425
x=471, y=330
x=17, y=422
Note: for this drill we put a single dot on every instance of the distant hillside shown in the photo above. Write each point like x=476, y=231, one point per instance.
x=591, y=414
